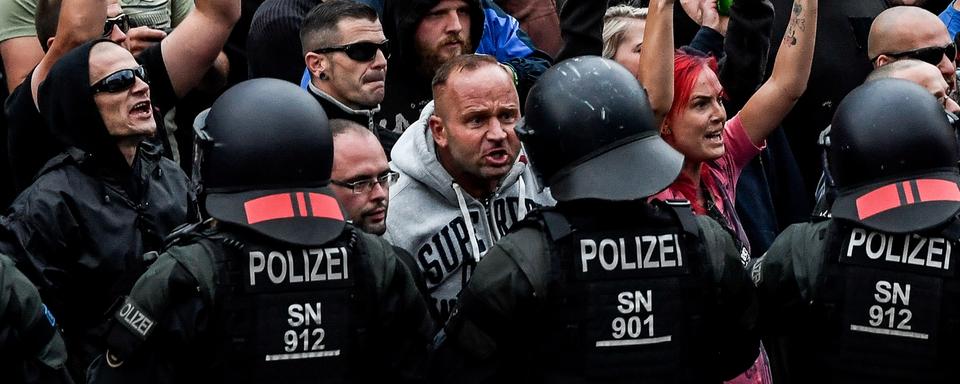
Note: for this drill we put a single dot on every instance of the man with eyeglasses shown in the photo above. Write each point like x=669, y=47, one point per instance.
x=346, y=55
x=912, y=33
x=361, y=176
x=176, y=65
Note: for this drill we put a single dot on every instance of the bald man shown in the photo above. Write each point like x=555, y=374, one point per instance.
x=924, y=74
x=912, y=33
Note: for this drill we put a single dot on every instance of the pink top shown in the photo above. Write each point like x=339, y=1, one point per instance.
x=724, y=172
x=738, y=151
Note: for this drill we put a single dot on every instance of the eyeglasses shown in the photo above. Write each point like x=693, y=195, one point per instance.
x=931, y=55
x=120, y=80
x=363, y=186
x=122, y=21
x=361, y=51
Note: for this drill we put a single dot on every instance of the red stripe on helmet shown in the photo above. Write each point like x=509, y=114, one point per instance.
x=270, y=207
x=325, y=206
x=301, y=204
x=886, y=198
x=937, y=190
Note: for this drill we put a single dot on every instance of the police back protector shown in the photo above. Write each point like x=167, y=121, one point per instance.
x=886, y=309
x=290, y=314
x=628, y=301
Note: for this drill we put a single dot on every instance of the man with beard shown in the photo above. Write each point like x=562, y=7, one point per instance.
x=428, y=33
x=346, y=56
x=462, y=180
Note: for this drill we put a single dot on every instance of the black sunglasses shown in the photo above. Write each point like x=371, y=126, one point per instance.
x=122, y=21
x=931, y=55
x=120, y=80
x=362, y=51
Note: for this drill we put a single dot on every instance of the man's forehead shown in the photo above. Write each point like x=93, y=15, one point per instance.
x=352, y=29
x=475, y=89
x=107, y=57
x=449, y=4
x=113, y=8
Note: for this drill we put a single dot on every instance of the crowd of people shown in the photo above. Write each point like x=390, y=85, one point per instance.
x=452, y=191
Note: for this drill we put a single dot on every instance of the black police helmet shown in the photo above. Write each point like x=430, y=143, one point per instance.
x=893, y=156
x=589, y=132
x=263, y=160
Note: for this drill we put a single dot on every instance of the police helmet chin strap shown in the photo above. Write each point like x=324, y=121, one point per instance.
x=824, y=142
x=201, y=142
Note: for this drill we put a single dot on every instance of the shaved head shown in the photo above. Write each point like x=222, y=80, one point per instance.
x=899, y=33
x=905, y=28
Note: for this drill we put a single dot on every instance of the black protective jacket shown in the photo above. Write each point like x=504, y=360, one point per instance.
x=843, y=303
x=80, y=230
x=31, y=349
x=499, y=331
x=203, y=327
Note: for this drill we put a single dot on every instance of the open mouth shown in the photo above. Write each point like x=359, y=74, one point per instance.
x=141, y=109
x=714, y=136
x=497, y=156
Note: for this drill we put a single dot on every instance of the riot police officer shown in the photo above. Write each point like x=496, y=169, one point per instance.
x=275, y=286
x=871, y=294
x=31, y=349
x=605, y=287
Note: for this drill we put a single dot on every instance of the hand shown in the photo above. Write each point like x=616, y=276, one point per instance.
x=704, y=13
x=141, y=38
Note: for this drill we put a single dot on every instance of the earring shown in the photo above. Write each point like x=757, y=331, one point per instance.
x=322, y=76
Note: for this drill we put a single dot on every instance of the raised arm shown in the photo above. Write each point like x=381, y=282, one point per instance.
x=80, y=21
x=656, y=58
x=193, y=46
x=767, y=107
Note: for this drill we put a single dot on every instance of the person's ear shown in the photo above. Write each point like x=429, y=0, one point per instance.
x=316, y=64
x=50, y=42
x=437, y=130
x=665, y=128
x=882, y=60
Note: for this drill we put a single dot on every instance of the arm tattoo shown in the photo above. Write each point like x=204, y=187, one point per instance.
x=796, y=22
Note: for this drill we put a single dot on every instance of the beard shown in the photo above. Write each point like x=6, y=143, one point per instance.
x=433, y=57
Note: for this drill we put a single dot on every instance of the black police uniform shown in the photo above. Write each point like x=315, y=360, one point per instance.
x=276, y=287
x=871, y=294
x=31, y=349
x=605, y=287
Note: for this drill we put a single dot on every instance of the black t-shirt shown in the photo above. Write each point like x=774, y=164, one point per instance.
x=30, y=144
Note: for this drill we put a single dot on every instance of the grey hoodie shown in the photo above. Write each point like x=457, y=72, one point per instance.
x=428, y=213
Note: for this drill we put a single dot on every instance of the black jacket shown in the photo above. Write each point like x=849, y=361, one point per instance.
x=189, y=295
x=364, y=117
x=80, y=230
x=31, y=142
x=407, y=90
x=31, y=349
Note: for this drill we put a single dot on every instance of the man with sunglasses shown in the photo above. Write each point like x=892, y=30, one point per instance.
x=346, y=55
x=80, y=231
x=912, y=33
x=176, y=65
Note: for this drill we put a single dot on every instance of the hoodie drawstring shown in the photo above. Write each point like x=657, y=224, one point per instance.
x=474, y=246
x=522, y=203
